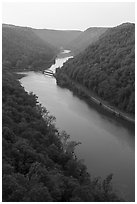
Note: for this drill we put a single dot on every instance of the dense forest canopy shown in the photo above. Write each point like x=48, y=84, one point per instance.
x=85, y=39
x=74, y=40
x=39, y=163
x=50, y=41
x=22, y=48
x=107, y=67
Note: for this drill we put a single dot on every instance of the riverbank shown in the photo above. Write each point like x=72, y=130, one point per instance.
x=27, y=68
x=47, y=154
x=104, y=138
x=65, y=82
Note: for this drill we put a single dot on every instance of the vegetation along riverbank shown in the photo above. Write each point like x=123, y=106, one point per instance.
x=39, y=163
x=65, y=82
x=106, y=70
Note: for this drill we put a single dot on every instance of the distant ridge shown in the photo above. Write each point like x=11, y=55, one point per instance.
x=86, y=38
x=22, y=48
x=58, y=38
x=107, y=68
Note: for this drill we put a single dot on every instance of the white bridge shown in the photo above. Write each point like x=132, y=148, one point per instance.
x=48, y=72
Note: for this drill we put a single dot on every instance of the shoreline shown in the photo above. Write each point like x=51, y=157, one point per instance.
x=83, y=93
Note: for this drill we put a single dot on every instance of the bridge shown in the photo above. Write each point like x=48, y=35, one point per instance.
x=48, y=72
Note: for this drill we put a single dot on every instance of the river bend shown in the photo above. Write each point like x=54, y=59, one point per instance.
x=107, y=146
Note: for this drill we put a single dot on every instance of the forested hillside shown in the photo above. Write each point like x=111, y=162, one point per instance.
x=22, y=48
x=86, y=38
x=39, y=163
x=58, y=38
x=107, y=68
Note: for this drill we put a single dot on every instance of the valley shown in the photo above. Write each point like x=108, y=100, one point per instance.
x=90, y=126
x=68, y=114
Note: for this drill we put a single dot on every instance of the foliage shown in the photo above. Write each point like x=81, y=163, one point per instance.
x=107, y=67
x=57, y=38
x=39, y=164
x=23, y=49
x=86, y=38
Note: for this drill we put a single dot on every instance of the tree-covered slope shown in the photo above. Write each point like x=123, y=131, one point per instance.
x=22, y=48
x=86, y=38
x=58, y=38
x=107, y=67
x=39, y=164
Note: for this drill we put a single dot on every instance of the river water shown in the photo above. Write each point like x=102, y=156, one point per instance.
x=107, y=145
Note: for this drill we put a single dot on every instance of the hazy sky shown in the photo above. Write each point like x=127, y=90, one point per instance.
x=68, y=15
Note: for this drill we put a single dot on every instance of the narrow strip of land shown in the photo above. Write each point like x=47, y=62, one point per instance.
x=101, y=102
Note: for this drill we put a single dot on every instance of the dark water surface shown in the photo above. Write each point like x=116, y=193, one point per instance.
x=107, y=146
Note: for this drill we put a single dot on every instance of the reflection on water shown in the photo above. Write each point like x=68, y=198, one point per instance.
x=107, y=146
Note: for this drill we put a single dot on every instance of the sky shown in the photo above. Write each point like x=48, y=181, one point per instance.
x=67, y=16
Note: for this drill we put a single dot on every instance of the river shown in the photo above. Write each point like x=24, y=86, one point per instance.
x=107, y=145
